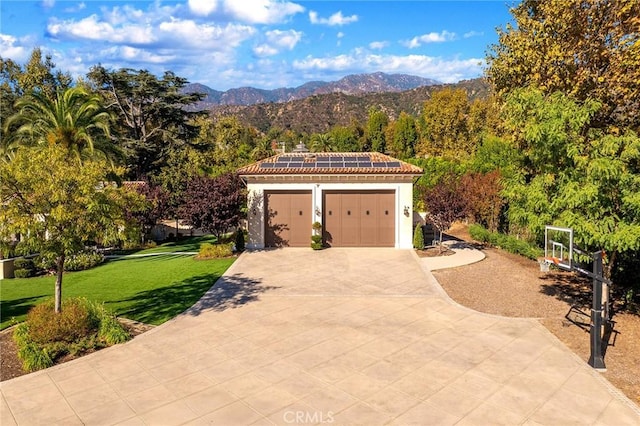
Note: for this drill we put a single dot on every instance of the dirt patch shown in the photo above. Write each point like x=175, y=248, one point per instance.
x=510, y=285
x=11, y=365
x=434, y=252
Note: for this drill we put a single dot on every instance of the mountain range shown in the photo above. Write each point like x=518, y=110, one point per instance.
x=356, y=84
x=319, y=113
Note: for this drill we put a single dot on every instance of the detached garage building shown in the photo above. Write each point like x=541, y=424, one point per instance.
x=361, y=199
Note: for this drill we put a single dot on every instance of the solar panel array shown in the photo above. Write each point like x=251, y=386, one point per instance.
x=328, y=162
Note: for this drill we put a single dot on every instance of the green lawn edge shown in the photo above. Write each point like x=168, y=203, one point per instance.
x=150, y=289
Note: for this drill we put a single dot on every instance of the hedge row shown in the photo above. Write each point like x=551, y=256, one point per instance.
x=505, y=242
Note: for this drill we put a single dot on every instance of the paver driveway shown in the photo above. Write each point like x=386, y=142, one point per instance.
x=341, y=336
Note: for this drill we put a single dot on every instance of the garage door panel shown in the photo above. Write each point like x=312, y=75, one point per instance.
x=359, y=218
x=350, y=221
x=288, y=218
x=387, y=228
x=369, y=219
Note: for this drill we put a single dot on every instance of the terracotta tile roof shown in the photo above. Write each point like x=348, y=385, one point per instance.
x=330, y=163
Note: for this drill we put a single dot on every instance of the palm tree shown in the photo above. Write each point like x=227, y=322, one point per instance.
x=73, y=119
x=322, y=142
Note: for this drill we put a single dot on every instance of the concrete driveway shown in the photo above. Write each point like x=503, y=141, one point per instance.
x=340, y=336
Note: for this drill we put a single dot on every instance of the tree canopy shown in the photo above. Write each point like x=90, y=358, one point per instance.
x=585, y=49
x=57, y=206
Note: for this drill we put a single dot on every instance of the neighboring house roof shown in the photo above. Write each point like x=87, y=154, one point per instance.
x=330, y=163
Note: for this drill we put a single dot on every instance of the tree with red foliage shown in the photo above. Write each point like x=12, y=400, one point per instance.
x=445, y=203
x=213, y=204
x=156, y=206
x=482, y=194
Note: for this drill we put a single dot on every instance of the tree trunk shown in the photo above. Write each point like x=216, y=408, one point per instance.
x=58, y=291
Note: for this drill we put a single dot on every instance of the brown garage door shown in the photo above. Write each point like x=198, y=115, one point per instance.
x=288, y=219
x=359, y=219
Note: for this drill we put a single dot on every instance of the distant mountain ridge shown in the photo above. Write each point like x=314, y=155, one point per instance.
x=355, y=84
x=318, y=113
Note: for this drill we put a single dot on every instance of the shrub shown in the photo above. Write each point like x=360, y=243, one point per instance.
x=418, y=237
x=214, y=251
x=77, y=262
x=24, y=263
x=83, y=261
x=239, y=240
x=75, y=321
x=23, y=273
x=34, y=357
x=82, y=326
x=316, y=242
x=506, y=242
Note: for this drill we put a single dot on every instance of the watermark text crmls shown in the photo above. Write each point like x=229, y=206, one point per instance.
x=308, y=417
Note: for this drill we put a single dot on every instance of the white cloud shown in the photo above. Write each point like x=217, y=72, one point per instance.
x=261, y=11
x=431, y=37
x=340, y=34
x=473, y=34
x=76, y=8
x=378, y=45
x=276, y=41
x=335, y=19
x=14, y=48
x=202, y=7
x=48, y=4
x=359, y=60
x=173, y=33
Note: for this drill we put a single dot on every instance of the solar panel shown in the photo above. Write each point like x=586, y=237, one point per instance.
x=350, y=164
x=393, y=164
x=284, y=159
x=379, y=164
x=295, y=165
x=281, y=165
x=363, y=158
x=366, y=165
x=324, y=165
x=308, y=165
x=267, y=165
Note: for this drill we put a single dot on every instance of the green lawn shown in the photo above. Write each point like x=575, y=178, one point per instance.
x=149, y=289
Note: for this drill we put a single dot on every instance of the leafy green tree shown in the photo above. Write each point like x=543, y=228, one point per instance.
x=405, y=136
x=573, y=175
x=345, y=138
x=322, y=142
x=153, y=114
x=74, y=120
x=376, y=124
x=57, y=206
x=585, y=49
x=445, y=128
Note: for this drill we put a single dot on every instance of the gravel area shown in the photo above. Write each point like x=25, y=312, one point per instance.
x=510, y=285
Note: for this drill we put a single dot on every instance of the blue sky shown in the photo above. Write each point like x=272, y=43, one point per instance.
x=261, y=43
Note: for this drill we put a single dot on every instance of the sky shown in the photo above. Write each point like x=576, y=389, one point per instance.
x=261, y=43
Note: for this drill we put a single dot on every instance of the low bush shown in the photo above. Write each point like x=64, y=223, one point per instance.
x=215, y=251
x=77, y=262
x=75, y=321
x=24, y=263
x=83, y=261
x=505, y=242
x=23, y=273
x=316, y=242
x=81, y=327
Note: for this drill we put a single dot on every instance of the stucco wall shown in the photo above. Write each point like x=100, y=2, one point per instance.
x=403, y=195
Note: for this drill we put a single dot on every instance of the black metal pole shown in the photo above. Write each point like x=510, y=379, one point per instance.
x=596, y=360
